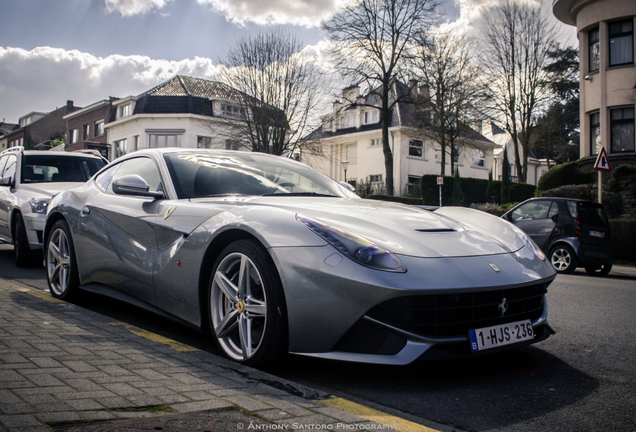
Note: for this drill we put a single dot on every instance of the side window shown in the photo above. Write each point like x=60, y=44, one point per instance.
x=104, y=178
x=3, y=161
x=572, y=209
x=554, y=209
x=143, y=167
x=9, y=169
x=531, y=211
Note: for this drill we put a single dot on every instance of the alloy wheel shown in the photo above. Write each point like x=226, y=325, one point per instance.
x=238, y=306
x=58, y=265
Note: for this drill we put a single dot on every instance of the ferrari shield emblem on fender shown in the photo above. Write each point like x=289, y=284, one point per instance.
x=169, y=212
x=495, y=268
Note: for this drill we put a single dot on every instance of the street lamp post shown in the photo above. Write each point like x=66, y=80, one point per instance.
x=345, y=165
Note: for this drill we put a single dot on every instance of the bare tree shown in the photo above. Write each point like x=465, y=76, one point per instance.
x=373, y=39
x=279, y=88
x=517, y=39
x=445, y=66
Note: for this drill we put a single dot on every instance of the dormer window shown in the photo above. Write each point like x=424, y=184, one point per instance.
x=371, y=116
x=232, y=111
x=348, y=121
x=125, y=110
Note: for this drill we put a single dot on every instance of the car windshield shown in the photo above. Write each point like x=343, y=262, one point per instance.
x=58, y=168
x=212, y=174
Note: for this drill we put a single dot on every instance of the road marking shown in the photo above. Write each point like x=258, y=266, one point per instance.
x=35, y=293
x=177, y=346
x=375, y=416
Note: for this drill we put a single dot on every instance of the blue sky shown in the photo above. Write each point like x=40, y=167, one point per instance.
x=86, y=50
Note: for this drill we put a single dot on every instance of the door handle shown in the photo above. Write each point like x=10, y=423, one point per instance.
x=85, y=210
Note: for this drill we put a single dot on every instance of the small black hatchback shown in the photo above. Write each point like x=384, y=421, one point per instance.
x=573, y=233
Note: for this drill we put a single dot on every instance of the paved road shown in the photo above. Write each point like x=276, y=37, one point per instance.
x=583, y=378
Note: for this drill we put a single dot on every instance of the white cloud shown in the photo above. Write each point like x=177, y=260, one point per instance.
x=306, y=13
x=134, y=7
x=45, y=78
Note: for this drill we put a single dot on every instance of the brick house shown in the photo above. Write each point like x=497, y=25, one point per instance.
x=38, y=128
x=85, y=127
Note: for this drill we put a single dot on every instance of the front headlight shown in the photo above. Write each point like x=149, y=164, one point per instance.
x=39, y=205
x=530, y=243
x=355, y=247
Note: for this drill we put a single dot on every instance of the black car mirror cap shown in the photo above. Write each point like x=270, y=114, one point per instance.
x=134, y=185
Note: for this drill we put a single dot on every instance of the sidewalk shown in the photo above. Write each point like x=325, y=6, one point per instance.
x=67, y=369
x=624, y=271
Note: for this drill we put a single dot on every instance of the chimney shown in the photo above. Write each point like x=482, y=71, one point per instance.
x=425, y=92
x=69, y=105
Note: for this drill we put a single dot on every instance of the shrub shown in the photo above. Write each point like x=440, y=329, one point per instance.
x=621, y=171
x=567, y=173
x=623, y=239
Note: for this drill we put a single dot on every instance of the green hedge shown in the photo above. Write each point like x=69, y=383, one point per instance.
x=474, y=191
x=623, y=239
x=567, y=173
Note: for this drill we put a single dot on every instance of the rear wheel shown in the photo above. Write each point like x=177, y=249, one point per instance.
x=21, y=251
x=563, y=259
x=247, y=306
x=598, y=270
x=61, y=266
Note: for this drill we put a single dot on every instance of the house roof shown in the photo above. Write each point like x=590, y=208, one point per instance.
x=182, y=85
x=402, y=114
x=6, y=128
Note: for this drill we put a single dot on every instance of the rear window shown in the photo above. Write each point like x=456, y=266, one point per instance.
x=59, y=168
x=592, y=214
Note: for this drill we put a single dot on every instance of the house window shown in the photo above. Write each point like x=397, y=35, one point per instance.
x=376, y=178
x=232, y=144
x=156, y=141
x=204, y=142
x=376, y=142
x=594, y=49
x=124, y=111
x=135, y=145
x=479, y=158
x=622, y=129
x=72, y=137
x=348, y=121
x=621, y=42
x=232, y=111
x=86, y=130
x=370, y=117
x=120, y=147
x=413, y=185
x=456, y=154
x=98, y=127
x=416, y=148
x=595, y=133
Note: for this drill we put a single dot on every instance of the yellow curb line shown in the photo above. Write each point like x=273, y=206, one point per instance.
x=379, y=417
x=35, y=293
x=177, y=346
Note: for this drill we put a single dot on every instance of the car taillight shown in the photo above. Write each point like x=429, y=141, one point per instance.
x=577, y=232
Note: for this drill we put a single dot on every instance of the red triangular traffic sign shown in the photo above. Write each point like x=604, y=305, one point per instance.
x=602, y=164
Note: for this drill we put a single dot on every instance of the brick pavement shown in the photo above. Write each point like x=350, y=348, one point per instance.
x=65, y=368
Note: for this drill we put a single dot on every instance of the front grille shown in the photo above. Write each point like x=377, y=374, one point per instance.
x=445, y=315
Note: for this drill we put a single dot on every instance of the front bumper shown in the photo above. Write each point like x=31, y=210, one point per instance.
x=34, y=225
x=330, y=300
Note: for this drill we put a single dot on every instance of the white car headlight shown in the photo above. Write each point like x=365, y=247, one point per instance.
x=39, y=205
x=355, y=247
x=530, y=243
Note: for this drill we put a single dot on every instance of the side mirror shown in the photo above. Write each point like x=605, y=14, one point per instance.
x=134, y=185
x=6, y=181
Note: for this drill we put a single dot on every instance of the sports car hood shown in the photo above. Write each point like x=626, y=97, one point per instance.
x=46, y=190
x=408, y=230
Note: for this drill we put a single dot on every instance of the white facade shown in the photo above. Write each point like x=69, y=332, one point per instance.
x=352, y=134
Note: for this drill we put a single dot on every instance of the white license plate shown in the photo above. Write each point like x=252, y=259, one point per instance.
x=599, y=234
x=500, y=335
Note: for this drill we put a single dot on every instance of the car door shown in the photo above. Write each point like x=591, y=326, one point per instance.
x=117, y=243
x=8, y=165
x=535, y=218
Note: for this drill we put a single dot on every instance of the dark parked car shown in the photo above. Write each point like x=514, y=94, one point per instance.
x=573, y=233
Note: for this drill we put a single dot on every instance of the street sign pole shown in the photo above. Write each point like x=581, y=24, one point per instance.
x=601, y=164
x=440, y=183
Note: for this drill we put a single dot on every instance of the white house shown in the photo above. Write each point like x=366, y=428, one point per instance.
x=349, y=143
x=181, y=112
x=536, y=166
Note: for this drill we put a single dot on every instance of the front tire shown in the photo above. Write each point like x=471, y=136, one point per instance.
x=247, y=309
x=563, y=259
x=61, y=265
